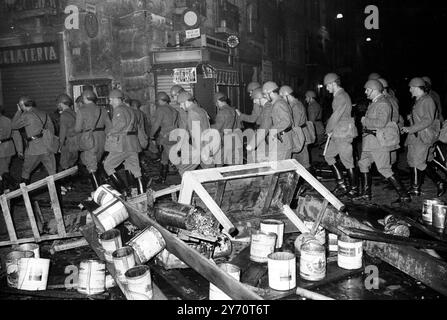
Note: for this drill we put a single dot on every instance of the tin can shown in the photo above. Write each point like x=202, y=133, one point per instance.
x=276, y=227
x=147, y=244
x=262, y=244
x=427, y=210
x=313, y=261
x=439, y=213
x=350, y=253
x=123, y=260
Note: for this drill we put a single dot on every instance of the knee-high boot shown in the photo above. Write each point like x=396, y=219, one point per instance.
x=354, y=183
x=366, y=193
x=404, y=196
x=341, y=188
x=416, y=180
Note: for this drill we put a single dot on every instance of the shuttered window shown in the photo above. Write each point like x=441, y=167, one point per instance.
x=166, y=82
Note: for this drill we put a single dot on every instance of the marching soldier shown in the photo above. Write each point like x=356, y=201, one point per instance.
x=377, y=118
x=8, y=138
x=183, y=116
x=227, y=121
x=315, y=114
x=435, y=96
x=374, y=76
x=257, y=109
x=122, y=142
x=341, y=130
x=299, y=120
x=92, y=121
x=422, y=134
x=164, y=121
x=69, y=148
x=34, y=121
x=141, y=120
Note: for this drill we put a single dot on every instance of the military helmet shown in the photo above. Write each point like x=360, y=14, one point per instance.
x=311, y=94
x=257, y=94
x=383, y=82
x=427, y=80
x=330, y=78
x=27, y=101
x=269, y=86
x=285, y=90
x=417, y=82
x=184, y=96
x=116, y=94
x=374, y=85
x=175, y=90
x=135, y=104
x=127, y=99
x=252, y=86
x=89, y=95
x=220, y=96
x=163, y=96
x=65, y=99
x=374, y=76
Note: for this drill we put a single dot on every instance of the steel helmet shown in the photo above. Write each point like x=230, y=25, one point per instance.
x=175, y=90
x=220, y=96
x=374, y=76
x=116, y=94
x=127, y=99
x=65, y=99
x=330, y=78
x=135, y=104
x=184, y=96
x=89, y=95
x=257, y=94
x=163, y=96
x=383, y=82
x=374, y=85
x=427, y=79
x=311, y=94
x=417, y=82
x=252, y=86
x=285, y=90
x=269, y=86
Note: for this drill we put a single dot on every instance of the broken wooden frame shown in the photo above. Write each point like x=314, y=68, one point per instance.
x=24, y=190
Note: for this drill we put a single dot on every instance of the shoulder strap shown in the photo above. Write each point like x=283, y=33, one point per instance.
x=99, y=117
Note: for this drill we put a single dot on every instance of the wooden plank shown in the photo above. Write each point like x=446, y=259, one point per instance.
x=29, y=212
x=43, y=238
x=157, y=194
x=311, y=295
x=56, y=207
x=42, y=183
x=39, y=216
x=60, y=295
x=319, y=217
x=272, y=188
x=8, y=221
x=297, y=222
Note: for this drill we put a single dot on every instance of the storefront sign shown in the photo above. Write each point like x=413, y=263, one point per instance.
x=49, y=6
x=27, y=55
x=185, y=75
x=191, y=34
x=227, y=78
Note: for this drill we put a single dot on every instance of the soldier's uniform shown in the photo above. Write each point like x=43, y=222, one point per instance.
x=68, y=139
x=255, y=116
x=300, y=120
x=140, y=118
x=8, y=138
x=86, y=118
x=166, y=119
x=395, y=117
x=36, y=152
x=315, y=114
x=437, y=99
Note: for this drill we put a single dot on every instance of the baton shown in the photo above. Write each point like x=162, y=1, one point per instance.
x=327, y=144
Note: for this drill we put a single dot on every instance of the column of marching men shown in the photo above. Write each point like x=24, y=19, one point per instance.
x=102, y=139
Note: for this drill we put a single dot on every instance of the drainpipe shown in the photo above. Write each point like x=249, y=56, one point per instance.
x=66, y=62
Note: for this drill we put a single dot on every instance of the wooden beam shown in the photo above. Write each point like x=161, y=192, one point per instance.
x=8, y=220
x=56, y=207
x=273, y=185
x=157, y=194
x=297, y=222
x=30, y=212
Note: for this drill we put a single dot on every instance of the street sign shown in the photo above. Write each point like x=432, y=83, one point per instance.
x=191, y=34
x=185, y=75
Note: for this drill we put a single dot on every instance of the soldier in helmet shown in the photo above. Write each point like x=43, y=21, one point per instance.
x=91, y=121
x=315, y=114
x=34, y=121
x=8, y=138
x=69, y=148
x=374, y=76
x=122, y=142
x=299, y=117
x=422, y=134
x=165, y=120
x=227, y=121
x=436, y=98
x=257, y=109
x=342, y=130
x=378, y=116
x=183, y=116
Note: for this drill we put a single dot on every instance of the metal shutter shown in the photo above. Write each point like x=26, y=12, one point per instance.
x=43, y=83
x=166, y=82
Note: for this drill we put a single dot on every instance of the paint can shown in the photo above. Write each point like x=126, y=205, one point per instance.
x=139, y=283
x=12, y=266
x=282, y=271
x=321, y=232
x=147, y=244
x=333, y=242
x=427, y=210
x=105, y=194
x=110, y=242
x=110, y=282
x=439, y=213
x=262, y=244
x=29, y=247
x=110, y=215
x=92, y=277
x=302, y=239
x=276, y=227
x=123, y=260
x=33, y=274
x=350, y=253
x=234, y=272
x=313, y=261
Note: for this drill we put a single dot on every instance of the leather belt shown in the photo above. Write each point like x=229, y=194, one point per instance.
x=133, y=133
x=303, y=126
x=40, y=135
x=287, y=130
x=368, y=132
x=99, y=129
x=5, y=140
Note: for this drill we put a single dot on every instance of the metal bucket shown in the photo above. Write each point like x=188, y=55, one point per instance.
x=12, y=266
x=139, y=283
x=234, y=272
x=110, y=242
x=427, y=210
x=105, y=194
x=313, y=261
x=123, y=260
x=262, y=244
x=282, y=271
x=29, y=247
x=350, y=253
x=92, y=277
x=110, y=215
x=276, y=227
x=147, y=244
x=439, y=213
x=33, y=274
x=333, y=242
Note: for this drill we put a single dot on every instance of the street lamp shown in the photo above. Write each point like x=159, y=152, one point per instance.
x=368, y=39
x=340, y=16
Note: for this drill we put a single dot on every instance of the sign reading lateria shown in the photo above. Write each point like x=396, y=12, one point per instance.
x=31, y=54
